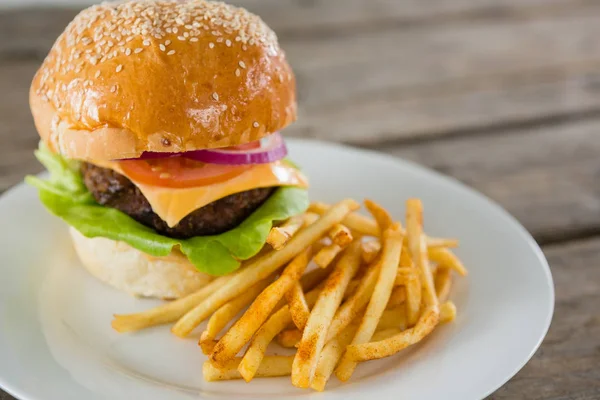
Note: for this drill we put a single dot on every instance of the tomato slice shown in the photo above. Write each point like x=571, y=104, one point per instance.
x=179, y=172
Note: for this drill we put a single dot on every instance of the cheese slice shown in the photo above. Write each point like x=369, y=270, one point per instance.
x=173, y=204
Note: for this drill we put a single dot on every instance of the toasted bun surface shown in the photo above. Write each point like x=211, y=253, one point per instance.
x=137, y=273
x=161, y=76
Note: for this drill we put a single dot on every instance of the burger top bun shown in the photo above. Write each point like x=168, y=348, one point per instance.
x=163, y=76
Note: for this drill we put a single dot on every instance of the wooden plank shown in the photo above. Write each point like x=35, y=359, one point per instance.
x=547, y=177
x=33, y=30
x=446, y=108
x=301, y=17
x=359, y=68
x=566, y=365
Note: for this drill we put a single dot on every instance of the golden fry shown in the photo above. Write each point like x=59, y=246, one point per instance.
x=356, y=222
x=289, y=338
x=446, y=258
x=297, y=303
x=447, y=312
x=433, y=242
x=262, y=267
x=418, y=249
x=244, y=328
x=443, y=283
x=279, y=235
x=340, y=235
x=326, y=255
x=169, y=312
x=390, y=258
x=385, y=334
x=392, y=345
x=355, y=303
x=258, y=346
x=380, y=214
x=392, y=318
x=330, y=356
x=370, y=251
x=270, y=366
x=397, y=297
x=226, y=313
x=311, y=279
x=315, y=332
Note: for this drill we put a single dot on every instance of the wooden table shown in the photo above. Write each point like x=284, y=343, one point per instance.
x=502, y=94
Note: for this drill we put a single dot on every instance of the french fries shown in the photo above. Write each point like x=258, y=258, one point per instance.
x=356, y=222
x=279, y=235
x=370, y=251
x=443, y=283
x=397, y=297
x=330, y=355
x=373, y=294
x=340, y=235
x=258, y=346
x=298, y=306
x=446, y=258
x=390, y=258
x=169, y=312
x=355, y=303
x=327, y=254
x=380, y=214
x=368, y=227
x=314, y=335
x=245, y=327
x=393, y=344
x=262, y=267
x=225, y=314
x=289, y=338
x=270, y=366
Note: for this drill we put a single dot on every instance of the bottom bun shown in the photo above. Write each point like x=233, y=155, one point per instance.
x=135, y=272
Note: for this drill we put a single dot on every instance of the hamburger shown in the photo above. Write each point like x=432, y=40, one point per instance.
x=159, y=124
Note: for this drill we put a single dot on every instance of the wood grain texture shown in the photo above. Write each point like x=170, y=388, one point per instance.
x=546, y=176
x=566, y=365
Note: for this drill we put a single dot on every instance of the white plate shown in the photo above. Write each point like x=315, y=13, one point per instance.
x=56, y=341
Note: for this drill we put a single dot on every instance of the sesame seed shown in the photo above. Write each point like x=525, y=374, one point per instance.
x=241, y=64
x=97, y=74
x=113, y=88
x=170, y=52
x=193, y=39
x=138, y=50
x=167, y=42
x=255, y=124
x=211, y=45
x=175, y=30
x=119, y=68
x=146, y=42
x=228, y=43
x=220, y=40
x=162, y=47
x=215, y=96
x=182, y=38
x=127, y=51
x=238, y=72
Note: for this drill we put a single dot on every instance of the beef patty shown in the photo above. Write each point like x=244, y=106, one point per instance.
x=112, y=189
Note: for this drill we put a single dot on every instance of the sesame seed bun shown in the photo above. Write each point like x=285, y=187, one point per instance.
x=161, y=76
x=134, y=272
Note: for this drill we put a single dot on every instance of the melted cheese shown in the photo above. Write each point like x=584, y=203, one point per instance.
x=173, y=204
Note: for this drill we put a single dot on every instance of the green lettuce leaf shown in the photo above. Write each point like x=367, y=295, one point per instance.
x=66, y=196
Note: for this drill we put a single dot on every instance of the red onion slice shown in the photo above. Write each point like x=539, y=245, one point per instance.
x=272, y=148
